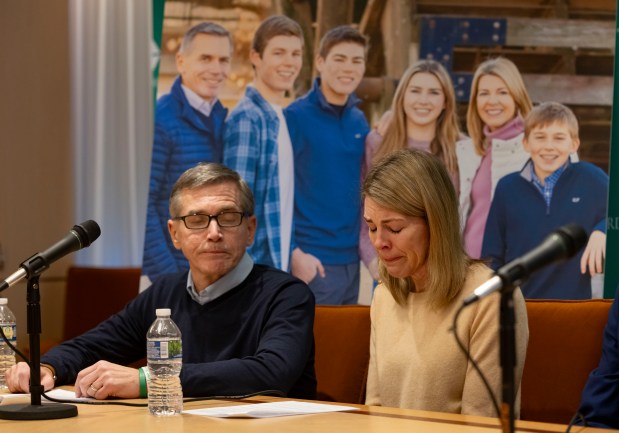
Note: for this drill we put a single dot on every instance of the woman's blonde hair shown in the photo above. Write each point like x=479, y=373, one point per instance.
x=447, y=129
x=508, y=72
x=415, y=183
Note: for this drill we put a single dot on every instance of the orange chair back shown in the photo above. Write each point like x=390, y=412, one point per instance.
x=94, y=294
x=565, y=343
x=342, y=335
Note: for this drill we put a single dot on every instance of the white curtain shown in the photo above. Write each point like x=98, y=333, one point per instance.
x=112, y=124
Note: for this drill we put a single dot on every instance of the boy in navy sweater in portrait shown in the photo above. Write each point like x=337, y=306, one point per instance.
x=550, y=191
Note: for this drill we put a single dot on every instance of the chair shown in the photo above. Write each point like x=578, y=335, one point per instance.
x=342, y=338
x=565, y=340
x=565, y=343
x=94, y=294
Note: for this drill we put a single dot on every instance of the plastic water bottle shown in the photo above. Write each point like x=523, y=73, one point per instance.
x=7, y=356
x=164, y=354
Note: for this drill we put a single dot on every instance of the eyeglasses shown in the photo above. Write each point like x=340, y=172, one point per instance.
x=198, y=221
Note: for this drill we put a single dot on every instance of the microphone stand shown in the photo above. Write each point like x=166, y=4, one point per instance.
x=508, y=357
x=35, y=410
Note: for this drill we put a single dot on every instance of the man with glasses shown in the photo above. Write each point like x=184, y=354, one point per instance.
x=246, y=328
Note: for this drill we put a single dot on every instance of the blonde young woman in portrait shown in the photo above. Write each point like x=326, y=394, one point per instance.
x=498, y=104
x=422, y=116
x=411, y=209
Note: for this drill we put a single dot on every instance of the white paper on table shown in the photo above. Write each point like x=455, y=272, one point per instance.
x=61, y=394
x=64, y=394
x=268, y=410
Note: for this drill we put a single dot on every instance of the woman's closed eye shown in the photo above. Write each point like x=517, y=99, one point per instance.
x=390, y=229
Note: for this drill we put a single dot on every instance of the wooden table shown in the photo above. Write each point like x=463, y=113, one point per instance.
x=121, y=419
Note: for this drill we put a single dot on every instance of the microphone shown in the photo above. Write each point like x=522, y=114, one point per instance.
x=80, y=236
x=561, y=244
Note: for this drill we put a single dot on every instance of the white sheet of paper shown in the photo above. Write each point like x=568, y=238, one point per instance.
x=268, y=410
x=64, y=394
x=54, y=393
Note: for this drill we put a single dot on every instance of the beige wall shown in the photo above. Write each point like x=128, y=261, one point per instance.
x=36, y=187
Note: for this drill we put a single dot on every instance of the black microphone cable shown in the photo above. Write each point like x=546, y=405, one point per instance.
x=267, y=392
x=473, y=362
x=13, y=348
x=577, y=416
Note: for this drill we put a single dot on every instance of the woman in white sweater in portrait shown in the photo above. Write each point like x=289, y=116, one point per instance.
x=498, y=104
x=411, y=209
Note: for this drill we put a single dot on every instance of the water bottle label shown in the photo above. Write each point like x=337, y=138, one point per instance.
x=10, y=331
x=172, y=349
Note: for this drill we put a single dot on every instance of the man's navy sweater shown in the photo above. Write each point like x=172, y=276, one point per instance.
x=600, y=398
x=256, y=337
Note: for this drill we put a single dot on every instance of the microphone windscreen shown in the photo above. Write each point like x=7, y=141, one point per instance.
x=87, y=232
x=575, y=238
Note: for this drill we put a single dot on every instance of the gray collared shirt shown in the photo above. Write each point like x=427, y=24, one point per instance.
x=223, y=285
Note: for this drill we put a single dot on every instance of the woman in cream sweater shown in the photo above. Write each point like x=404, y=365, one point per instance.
x=412, y=213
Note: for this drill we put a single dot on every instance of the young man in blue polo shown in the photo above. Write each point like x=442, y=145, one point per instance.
x=328, y=131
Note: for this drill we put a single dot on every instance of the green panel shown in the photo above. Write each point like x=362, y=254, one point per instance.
x=611, y=268
x=158, y=9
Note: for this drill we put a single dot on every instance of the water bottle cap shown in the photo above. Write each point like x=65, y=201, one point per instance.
x=4, y=301
x=163, y=312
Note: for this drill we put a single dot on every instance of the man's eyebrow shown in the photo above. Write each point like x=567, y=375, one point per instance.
x=233, y=208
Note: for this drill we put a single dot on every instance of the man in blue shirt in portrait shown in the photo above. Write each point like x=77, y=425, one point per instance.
x=188, y=129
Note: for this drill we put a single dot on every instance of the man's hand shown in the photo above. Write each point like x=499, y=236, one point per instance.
x=305, y=266
x=594, y=254
x=104, y=379
x=18, y=378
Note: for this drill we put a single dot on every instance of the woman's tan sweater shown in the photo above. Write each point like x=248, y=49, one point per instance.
x=415, y=361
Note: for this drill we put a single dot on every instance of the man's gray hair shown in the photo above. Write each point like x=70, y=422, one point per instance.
x=210, y=173
x=205, y=28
